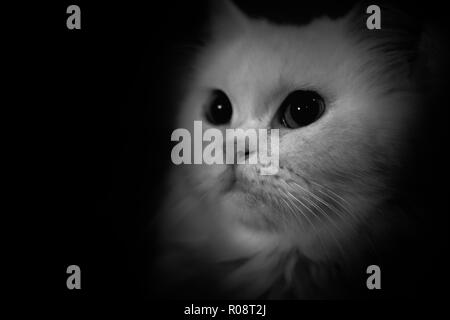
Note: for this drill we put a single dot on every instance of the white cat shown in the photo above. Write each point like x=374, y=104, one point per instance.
x=346, y=101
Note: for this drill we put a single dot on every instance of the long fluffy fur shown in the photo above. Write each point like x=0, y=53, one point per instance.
x=302, y=232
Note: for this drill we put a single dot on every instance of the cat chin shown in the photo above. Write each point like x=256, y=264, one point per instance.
x=262, y=227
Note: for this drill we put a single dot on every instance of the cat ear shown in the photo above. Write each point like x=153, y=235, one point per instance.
x=225, y=18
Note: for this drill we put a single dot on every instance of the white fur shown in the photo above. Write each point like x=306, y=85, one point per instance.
x=338, y=167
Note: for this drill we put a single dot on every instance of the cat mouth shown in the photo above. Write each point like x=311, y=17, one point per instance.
x=271, y=191
x=228, y=179
x=237, y=180
x=232, y=181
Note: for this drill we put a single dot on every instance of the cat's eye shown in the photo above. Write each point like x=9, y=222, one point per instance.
x=219, y=110
x=301, y=108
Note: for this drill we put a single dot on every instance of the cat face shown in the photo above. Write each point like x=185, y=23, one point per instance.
x=335, y=168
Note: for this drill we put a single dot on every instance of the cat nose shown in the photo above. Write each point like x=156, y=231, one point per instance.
x=240, y=150
x=244, y=153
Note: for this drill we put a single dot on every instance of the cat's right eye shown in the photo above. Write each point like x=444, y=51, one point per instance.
x=219, y=110
x=301, y=108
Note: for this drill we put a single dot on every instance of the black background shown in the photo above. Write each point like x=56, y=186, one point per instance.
x=96, y=137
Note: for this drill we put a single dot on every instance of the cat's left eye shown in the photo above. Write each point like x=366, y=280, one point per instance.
x=301, y=108
x=219, y=110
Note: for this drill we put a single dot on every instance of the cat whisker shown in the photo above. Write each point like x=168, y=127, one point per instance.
x=344, y=204
x=343, y=212
x=292, y=211
x=331, y=192
x=324, y=202
x=339, y=245
x=306, y=217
